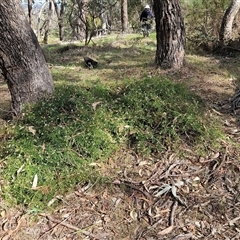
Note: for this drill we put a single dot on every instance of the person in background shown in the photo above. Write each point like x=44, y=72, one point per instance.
x=146, y=17
x=146, y=14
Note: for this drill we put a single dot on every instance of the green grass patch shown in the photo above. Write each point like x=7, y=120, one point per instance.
x=57, y=139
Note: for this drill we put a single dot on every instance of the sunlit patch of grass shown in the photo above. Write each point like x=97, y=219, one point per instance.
x=163, y=114
x=128, y=57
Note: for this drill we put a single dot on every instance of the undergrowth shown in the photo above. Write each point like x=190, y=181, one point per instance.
x=56, y=140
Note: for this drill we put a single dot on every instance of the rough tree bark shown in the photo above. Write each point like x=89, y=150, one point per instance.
x=103, y=18
x=81, y=24
x=30, y=11
x=124, y=15
x=225, y=34
x=21, y=58
x=170, y=30
x=39, y=19
x=60, y=17
x=48, y=22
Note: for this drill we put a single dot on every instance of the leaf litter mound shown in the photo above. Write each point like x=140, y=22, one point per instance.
x=169, y=197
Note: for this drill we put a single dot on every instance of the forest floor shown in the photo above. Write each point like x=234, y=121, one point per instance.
x=206, y=204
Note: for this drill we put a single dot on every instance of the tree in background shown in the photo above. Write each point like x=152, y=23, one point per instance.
x=30, y=2
x=225, y=34
x=60, y=14
x=203, y=20
x=21, y=58
x=124, y=15
x=170, y=31
x=77, y=18
x=47, y=22
x=96, y=16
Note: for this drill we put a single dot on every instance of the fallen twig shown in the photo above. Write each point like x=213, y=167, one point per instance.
x=183, y=237
x=11, y=232
x=133, y=186
x=60, y=222
x=174, y=207
x=70, y=226
x=223, y=160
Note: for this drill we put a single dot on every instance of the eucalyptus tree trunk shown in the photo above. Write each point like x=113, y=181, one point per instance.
x=225, y=34
x=170, y=30
x=124, y=15
x=48, y=22
x=21, y=58
x=60, y=17
x=39, y=19
x=103, y=18
x=30, y=11
x=81, y=21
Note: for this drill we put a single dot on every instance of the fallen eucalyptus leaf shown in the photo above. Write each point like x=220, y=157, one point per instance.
x=153, y=186
x=142, y=163
x=94, y=105
x=51, y=202
x=216, y=155
x=35, y=181
x=233, y=221
x=179, y=183
x=166, y=230
x=164, y=190
x=183, y=237
x=94, y=164
x=20, y=169
x=196, y=179
x=32, y=130
x=133, y=215
x=174, y=191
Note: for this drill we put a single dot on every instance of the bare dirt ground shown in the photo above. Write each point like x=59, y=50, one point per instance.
x=176, y=198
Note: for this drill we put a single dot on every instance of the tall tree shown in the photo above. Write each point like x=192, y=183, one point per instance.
x=60, y=17
x=39, y=19
x=30, y=2
x=225, y=34
x=124, y=15
x=47, y=22
x=170, y=30
x=21, y=58
x=81, y=20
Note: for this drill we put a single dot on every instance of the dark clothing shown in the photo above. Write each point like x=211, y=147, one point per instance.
x=146, y=14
